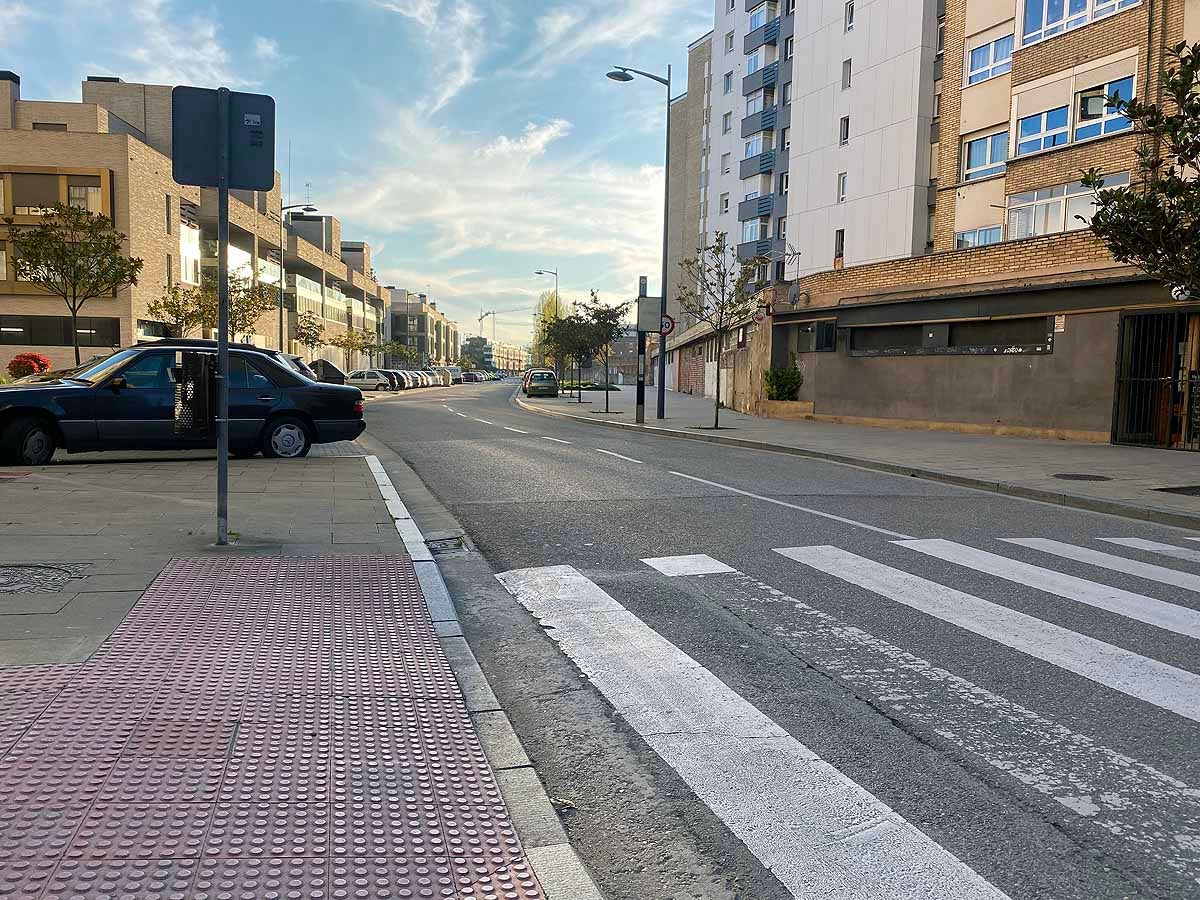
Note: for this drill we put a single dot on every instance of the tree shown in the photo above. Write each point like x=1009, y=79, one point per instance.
x=606, y=326
x=718, y=289
x=1156, y=225
x=570, y=339
x=549, y=308
x=179, y=307
x=465, y=362
x=249, y=301
x=73, y=254
x=398, y=352
x=349, y=342
x=310, y=333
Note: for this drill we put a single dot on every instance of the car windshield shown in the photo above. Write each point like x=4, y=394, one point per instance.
x=96, y=371
x=542, y=376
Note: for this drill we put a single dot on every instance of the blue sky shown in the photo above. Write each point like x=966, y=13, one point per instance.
x=469, y=142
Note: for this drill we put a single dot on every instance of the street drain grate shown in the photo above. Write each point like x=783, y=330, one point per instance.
x=35, y=579
x=1190, y=490
x=1079, y=476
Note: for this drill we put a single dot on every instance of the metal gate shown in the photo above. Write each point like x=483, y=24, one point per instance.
x=1158, y=381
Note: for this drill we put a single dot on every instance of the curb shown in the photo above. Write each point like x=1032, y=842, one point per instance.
x=1075, y=501
x=554, y=861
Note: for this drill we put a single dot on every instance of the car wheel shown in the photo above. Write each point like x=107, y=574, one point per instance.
x=28, y=441
x=381, y=387
x=286, y=438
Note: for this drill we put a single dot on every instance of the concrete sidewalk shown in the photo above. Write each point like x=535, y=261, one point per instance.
x=296, y=715
x=1125, y=481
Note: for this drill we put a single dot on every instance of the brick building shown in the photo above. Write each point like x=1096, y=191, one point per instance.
x=111, y=154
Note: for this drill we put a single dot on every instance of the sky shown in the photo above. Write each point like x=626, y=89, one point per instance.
x=470, y=142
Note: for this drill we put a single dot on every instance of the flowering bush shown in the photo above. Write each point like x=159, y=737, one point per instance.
x=28, y=364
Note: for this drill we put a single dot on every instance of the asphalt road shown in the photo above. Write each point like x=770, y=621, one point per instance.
x=1032, y=715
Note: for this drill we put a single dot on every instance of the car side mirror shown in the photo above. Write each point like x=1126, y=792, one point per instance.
x=118, y=384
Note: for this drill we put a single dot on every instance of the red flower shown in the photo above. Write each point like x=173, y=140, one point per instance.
x=28, y=364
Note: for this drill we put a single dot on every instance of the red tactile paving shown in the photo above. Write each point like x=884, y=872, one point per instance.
x=256, y=727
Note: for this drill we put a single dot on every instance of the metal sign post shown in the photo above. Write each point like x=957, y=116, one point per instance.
x=223, y=139
x=640, y=417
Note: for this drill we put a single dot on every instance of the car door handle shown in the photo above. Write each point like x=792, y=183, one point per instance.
x=266, y=398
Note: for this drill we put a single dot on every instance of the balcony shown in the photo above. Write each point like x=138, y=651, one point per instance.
x=757, y=165
x=760, y=121
x=771, y=247
x=764, y=77
x=767, y=34
x=756, y=208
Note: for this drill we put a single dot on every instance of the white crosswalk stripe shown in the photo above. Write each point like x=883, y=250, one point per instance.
x=1122, y=670
x=1157, y=547
x=1150, y=572
x=1169, y=616
x=821, y=834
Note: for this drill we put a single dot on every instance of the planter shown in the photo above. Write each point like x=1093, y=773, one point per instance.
x=786, y=409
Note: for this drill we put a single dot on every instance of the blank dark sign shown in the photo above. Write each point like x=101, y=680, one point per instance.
x=194, y=139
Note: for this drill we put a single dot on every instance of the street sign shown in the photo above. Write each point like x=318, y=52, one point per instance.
x=649, y=315
x=760, y=315
x=195, y=141
x=667, y=325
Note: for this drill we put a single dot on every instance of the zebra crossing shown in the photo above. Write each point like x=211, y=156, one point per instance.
x=735, y=753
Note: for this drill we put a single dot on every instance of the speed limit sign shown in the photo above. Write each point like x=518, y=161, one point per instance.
x=668, y=326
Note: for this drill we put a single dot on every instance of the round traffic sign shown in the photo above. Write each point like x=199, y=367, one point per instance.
x=668, y=326
x=760, y=316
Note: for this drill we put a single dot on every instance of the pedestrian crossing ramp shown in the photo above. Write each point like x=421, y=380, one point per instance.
x=820, y=833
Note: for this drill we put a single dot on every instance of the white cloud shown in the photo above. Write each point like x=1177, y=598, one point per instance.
x=510, y=197
x=266, y=49
x=174, y=49
x=12, y=18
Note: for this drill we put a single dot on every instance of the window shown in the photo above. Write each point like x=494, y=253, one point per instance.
x=787, y=93
x=846, y=67
x=978, y=237
x=754, y=61
x=168, y=213
x=781, y=228
x=753, y=230
x=844, y=131
x=841, y=187
x=728, y=83
x=761, y=15
x=245, y=374
x=170, y=271
x=1042, y=131
x=3, y=263
x=1063, y=207
x=727, y=123
x=789, y=47
x=751, y=195
x=731, y=6
x=990, y=60
x=724, y=203
x=937, y=105
x=941, y=36
x=729, y=42
x=848, y=16
x=754, y=146
x=49, y=126
x=786, y=138
x=839, y=243
x=84, y=196
x=1045, y=18
x=783, y=184
x=150, y=372
x=754, y=103
x=985, y=156
x=1093, y=115
x=726, y=165
x=791, y=7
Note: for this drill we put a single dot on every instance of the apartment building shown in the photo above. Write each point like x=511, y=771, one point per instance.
x=110, y=153
x=415, y=321
x=495, y=356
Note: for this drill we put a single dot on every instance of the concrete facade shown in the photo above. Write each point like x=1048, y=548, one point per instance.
x=414, y=320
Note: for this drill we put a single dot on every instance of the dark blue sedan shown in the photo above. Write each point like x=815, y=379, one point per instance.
x=128, y=401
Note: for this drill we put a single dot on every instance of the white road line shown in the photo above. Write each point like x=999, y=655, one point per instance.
x=619, y=456
x=695, y=564
x=1118, y=794
x=821, y=834
x=462, y=415
x=1138, y=607
x=556, y=440
x=1155, y=547
x=1137, y=676
x=485, y=421
x=1109, y=561
x=515, y=430
x=815, y=512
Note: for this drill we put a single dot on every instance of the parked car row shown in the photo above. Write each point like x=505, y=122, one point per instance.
x=477, y=377
x=406, y=379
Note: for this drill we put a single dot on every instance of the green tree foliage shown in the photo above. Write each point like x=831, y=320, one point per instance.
x=179, y=308
x=310, y=332
x=719, y=290
x=73, y=254
x=783, y=384
x=1155, y=223
x=606, y=326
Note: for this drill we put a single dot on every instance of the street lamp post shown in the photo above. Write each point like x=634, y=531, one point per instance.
x=625, y=74
x=553, y=272
x=308, y=208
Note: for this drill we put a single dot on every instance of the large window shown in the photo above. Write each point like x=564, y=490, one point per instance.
x=1050, y=210
x=1043, y=130
x=754, y=103
x=761, y=15
x=1093, y=115
x=978, y=237
x=754, y=146
x=990, y=60
x=754, y=230
x=985, y=156
x=55, y=331
x=754, y=61
x=1045, y=18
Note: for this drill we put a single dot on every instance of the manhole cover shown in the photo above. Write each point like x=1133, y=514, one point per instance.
x=1078, y=476
x=34, y=579
x=1190, y=490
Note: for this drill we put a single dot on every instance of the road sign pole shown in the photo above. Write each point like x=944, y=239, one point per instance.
x=640, y=417
x=223, y=317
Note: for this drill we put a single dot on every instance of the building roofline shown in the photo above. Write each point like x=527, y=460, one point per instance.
x=700, y=40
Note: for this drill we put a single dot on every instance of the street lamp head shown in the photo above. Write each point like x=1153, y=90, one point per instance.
x=308, y=208
x=620, y=75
